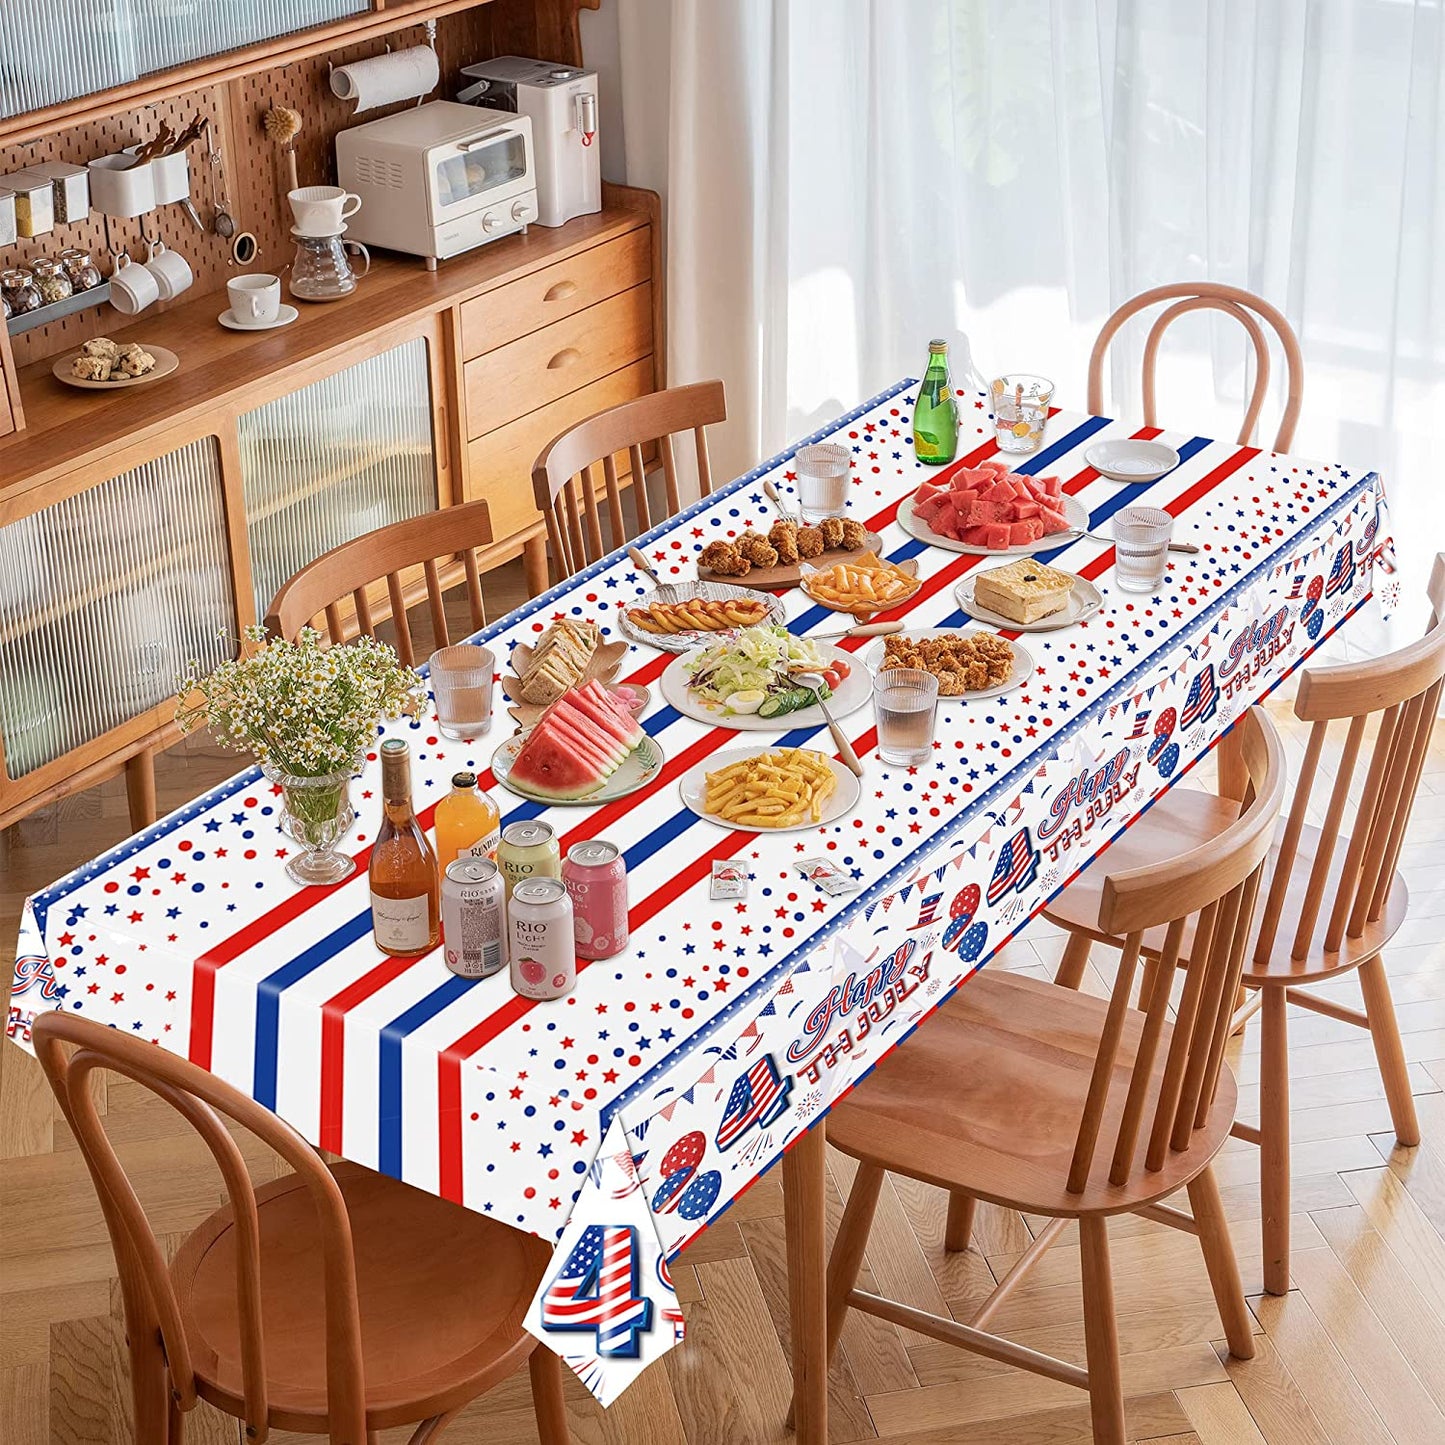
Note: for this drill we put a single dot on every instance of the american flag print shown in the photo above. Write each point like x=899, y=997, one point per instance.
x=1342, y=572
x=1016, y=867
x=596, y=1290
x=758, y=1096
x=1202, y=700
x=928, y=909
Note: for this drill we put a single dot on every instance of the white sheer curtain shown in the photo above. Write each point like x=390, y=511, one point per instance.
x=846, y=178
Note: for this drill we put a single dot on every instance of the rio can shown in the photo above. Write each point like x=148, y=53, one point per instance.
x=544, y=957
x=528, y=850
x=474, y=918
x=596, y=880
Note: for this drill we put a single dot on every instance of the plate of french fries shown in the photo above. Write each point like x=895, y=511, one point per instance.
x=681, y=615
x=862, y=585
x=773, y=790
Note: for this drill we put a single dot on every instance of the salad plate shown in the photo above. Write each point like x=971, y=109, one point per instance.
x=693, y=788
x=755, y=660
x=1023, y=661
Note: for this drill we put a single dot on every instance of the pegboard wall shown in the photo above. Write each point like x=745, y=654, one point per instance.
x=250, y=175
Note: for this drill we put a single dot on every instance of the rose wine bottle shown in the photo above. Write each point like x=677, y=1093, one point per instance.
x=405, y=894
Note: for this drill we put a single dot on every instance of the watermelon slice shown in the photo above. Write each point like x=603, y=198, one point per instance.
x=1000, y=491
x=1024, y=510
x=996, y=535
x=975, y=536
x=603, y=754
x=1054, y=486
x=597, y=704
x=1054, y=521
x=1021, y=534
x=927, y=490
x=577, y=744
x=928, y=510
x=549, y=766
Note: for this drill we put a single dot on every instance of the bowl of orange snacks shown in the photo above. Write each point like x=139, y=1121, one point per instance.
x=862, y=585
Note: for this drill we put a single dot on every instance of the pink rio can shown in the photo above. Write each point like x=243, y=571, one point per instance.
x=596, y=879
x=543, y=953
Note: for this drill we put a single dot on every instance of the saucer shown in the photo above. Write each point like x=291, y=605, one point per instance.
x=284, y=317
x=1132, y=461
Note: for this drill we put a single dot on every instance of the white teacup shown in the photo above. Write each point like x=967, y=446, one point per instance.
x=132, y=286
x=172, y=271
x=322, y=210
x=255, y=299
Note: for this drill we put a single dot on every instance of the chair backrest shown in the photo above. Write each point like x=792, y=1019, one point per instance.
x=1401, y=692
x=1246, y=308
x=1216, y=885
x=151, y=1309
x=564, y=483
x=428, y=541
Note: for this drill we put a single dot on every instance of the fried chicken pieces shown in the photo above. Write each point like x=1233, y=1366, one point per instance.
x=961, y=662
x=786, y=543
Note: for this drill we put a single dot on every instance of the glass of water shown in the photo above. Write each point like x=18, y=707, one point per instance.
x=461, y=680
x=1020, y=409
x=905, y=700
x=822, y=473
x=1141, y=547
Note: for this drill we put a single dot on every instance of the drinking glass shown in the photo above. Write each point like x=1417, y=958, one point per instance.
x=822, y=472
x=461, y=680
x=1141, y=547
x=905, y=700
x=1020, y=409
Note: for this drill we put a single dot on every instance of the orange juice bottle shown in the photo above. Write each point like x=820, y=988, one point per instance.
x=468, y=823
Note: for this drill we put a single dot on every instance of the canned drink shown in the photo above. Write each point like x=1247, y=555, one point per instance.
x=596, y=880
x=528, y=850
x=544, y=957
x=474, y=918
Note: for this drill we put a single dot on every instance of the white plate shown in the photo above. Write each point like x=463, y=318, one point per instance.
x=693, y=787
x=1075, y=512
x=853, y=692
x=1131, y=461
x=284, y=317
x=687, y=592
x=642, y=765
x=1084, y=601
x=1023, y=660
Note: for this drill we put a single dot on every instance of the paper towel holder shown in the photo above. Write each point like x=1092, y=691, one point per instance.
x=429, y=29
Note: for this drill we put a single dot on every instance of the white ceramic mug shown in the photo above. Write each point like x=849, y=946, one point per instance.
x=255, y=299
x=322, y=210
x=172, y=271
x=132, y=286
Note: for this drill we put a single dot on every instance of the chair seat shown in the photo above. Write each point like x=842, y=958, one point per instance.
x=1186, y=817
x=442, y=1293
x=987, y=1097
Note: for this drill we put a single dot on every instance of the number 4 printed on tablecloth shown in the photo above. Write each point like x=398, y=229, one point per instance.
x=596, y=1289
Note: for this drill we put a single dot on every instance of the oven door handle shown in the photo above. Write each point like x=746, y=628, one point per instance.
x=476, y=140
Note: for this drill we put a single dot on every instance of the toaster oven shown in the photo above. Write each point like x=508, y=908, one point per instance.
x=439, y=179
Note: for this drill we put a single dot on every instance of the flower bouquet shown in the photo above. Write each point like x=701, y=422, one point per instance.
x=307, y=713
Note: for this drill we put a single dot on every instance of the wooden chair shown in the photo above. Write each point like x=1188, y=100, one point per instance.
x=1209, y=296
x=350, y=569
x=565, y=484
x=1060, y=1104
x=1336, y=896
x=332, y=1301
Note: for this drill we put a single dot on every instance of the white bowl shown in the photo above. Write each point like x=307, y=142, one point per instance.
x=1131, y=461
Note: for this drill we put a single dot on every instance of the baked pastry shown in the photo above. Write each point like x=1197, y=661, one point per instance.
x=91, y=368
x=784, y=538
x=758, y=550
x=962, y=662
x=832, y=530
x=135, y=361
x=855, y=535
x=1024, y=591
x=100, y=346
x=724, y=560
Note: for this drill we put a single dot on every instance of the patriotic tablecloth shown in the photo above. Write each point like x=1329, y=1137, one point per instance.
x=625, y=1117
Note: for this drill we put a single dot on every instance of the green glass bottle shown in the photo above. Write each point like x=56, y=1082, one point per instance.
x=935, y=414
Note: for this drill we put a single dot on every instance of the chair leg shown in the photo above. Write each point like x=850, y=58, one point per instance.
x=1223, y=1268
x=1076, y=960
x=1389, y=1051
x=959, y=1229
x=546, y=1372
x=1101, y=1339
x=534, y=566
x=140, y=790
x=1274, y=1140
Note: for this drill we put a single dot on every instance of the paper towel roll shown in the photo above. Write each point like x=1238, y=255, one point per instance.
x=386, y=79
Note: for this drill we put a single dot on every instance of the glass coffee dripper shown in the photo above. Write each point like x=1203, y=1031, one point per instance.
x=322, y=269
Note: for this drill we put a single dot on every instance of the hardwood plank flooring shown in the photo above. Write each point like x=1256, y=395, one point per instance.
x=1353, y=1355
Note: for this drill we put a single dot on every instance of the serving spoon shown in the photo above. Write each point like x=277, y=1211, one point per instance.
x=849, y=758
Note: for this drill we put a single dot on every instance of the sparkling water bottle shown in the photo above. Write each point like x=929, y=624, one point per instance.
x=935, y=415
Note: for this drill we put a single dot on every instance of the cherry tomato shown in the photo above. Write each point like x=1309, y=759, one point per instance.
x=832, y=677
x=842, y=669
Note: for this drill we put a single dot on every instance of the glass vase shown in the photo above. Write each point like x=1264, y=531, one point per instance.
x=317, y=814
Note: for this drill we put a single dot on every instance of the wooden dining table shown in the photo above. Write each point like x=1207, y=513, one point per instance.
x=624, y=1119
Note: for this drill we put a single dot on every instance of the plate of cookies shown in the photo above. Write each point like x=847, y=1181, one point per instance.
x=776, y=558
x=681, y=615
x=105, y=365
x=1027, y=596
x=969, y=664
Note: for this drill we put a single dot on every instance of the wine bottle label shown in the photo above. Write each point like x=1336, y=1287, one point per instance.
x=403, y=924
x=485, y=846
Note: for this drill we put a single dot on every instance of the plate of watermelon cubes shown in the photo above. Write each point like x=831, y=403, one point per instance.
x=988, y=510
x=586, y=748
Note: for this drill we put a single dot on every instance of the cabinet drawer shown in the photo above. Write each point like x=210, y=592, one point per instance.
x=499, y=465
x=535, y=370
x=555, y=292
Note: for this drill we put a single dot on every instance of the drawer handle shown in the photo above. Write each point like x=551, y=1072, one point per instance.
x=565, y=357
x=561, y=291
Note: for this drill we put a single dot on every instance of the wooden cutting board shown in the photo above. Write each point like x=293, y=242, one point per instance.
x=790, y=574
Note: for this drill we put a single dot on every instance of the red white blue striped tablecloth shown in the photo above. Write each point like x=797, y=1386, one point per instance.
x=725, y=1026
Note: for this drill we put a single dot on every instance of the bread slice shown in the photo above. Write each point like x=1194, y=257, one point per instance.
x=1023, y=591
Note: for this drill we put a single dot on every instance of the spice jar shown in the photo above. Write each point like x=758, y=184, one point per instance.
x=19, y=289
x=83, y=272
x=52, y=280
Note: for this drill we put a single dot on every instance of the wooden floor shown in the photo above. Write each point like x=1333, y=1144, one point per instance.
x=1354, y=1354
